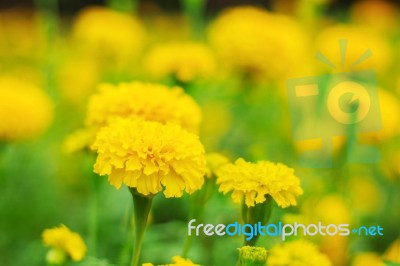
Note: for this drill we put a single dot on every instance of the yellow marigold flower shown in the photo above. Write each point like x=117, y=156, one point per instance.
x=367, y=258
x=331, y=209
x=62, y=238
x=141, y=100
x=359, y=40
x=254, y=181
x=186, y=61
x=178, y=261
x=214, y=161
x=258, y=42
x=149, y=156
x=108, y=33
x=299, y=253
x=25, y=110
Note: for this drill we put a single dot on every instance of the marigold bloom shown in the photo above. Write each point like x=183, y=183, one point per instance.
x=64, y=239
x=141, y=100
x=359, y=40
x=149, y=156
x=178, y=261
x=25, y=110
x=256, y=41
x=299, y=253
x=186, y=61
x=331, y=209
x=214, y=161
x=108, y=34
x=254, y=181
x=365, y=195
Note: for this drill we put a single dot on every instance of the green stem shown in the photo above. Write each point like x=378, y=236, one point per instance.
x=49, y=10
x=261, y=212
x=93, y=214
x=194, y=10
x=142, y=206
x=187, y=245
x=197, y=203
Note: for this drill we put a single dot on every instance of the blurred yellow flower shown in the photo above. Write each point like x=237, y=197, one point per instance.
x=25, y=110
x=186, y=61
x=61, y=238
x=257, y=42
x=214, y=161
x=143, y=100
x=336, y=248
x=389, y=106
x=331, y=209
x=108, y=34
x=365, y=195
x=150, y=156
x=299, y=253
x=367, y=258
x=178, y=261
x=392, y=254
x=359, y=40
x=254, y=181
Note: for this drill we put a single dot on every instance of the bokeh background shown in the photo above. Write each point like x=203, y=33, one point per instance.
x=237, y=74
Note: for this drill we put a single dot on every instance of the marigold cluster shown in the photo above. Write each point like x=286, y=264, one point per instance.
x=148, y=101
x=150, y=156
x=108, y=34
x=359, y=40
x=246, y=38
x=254, y=181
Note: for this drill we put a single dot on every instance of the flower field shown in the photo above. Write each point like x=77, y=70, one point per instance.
x=212, y=133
